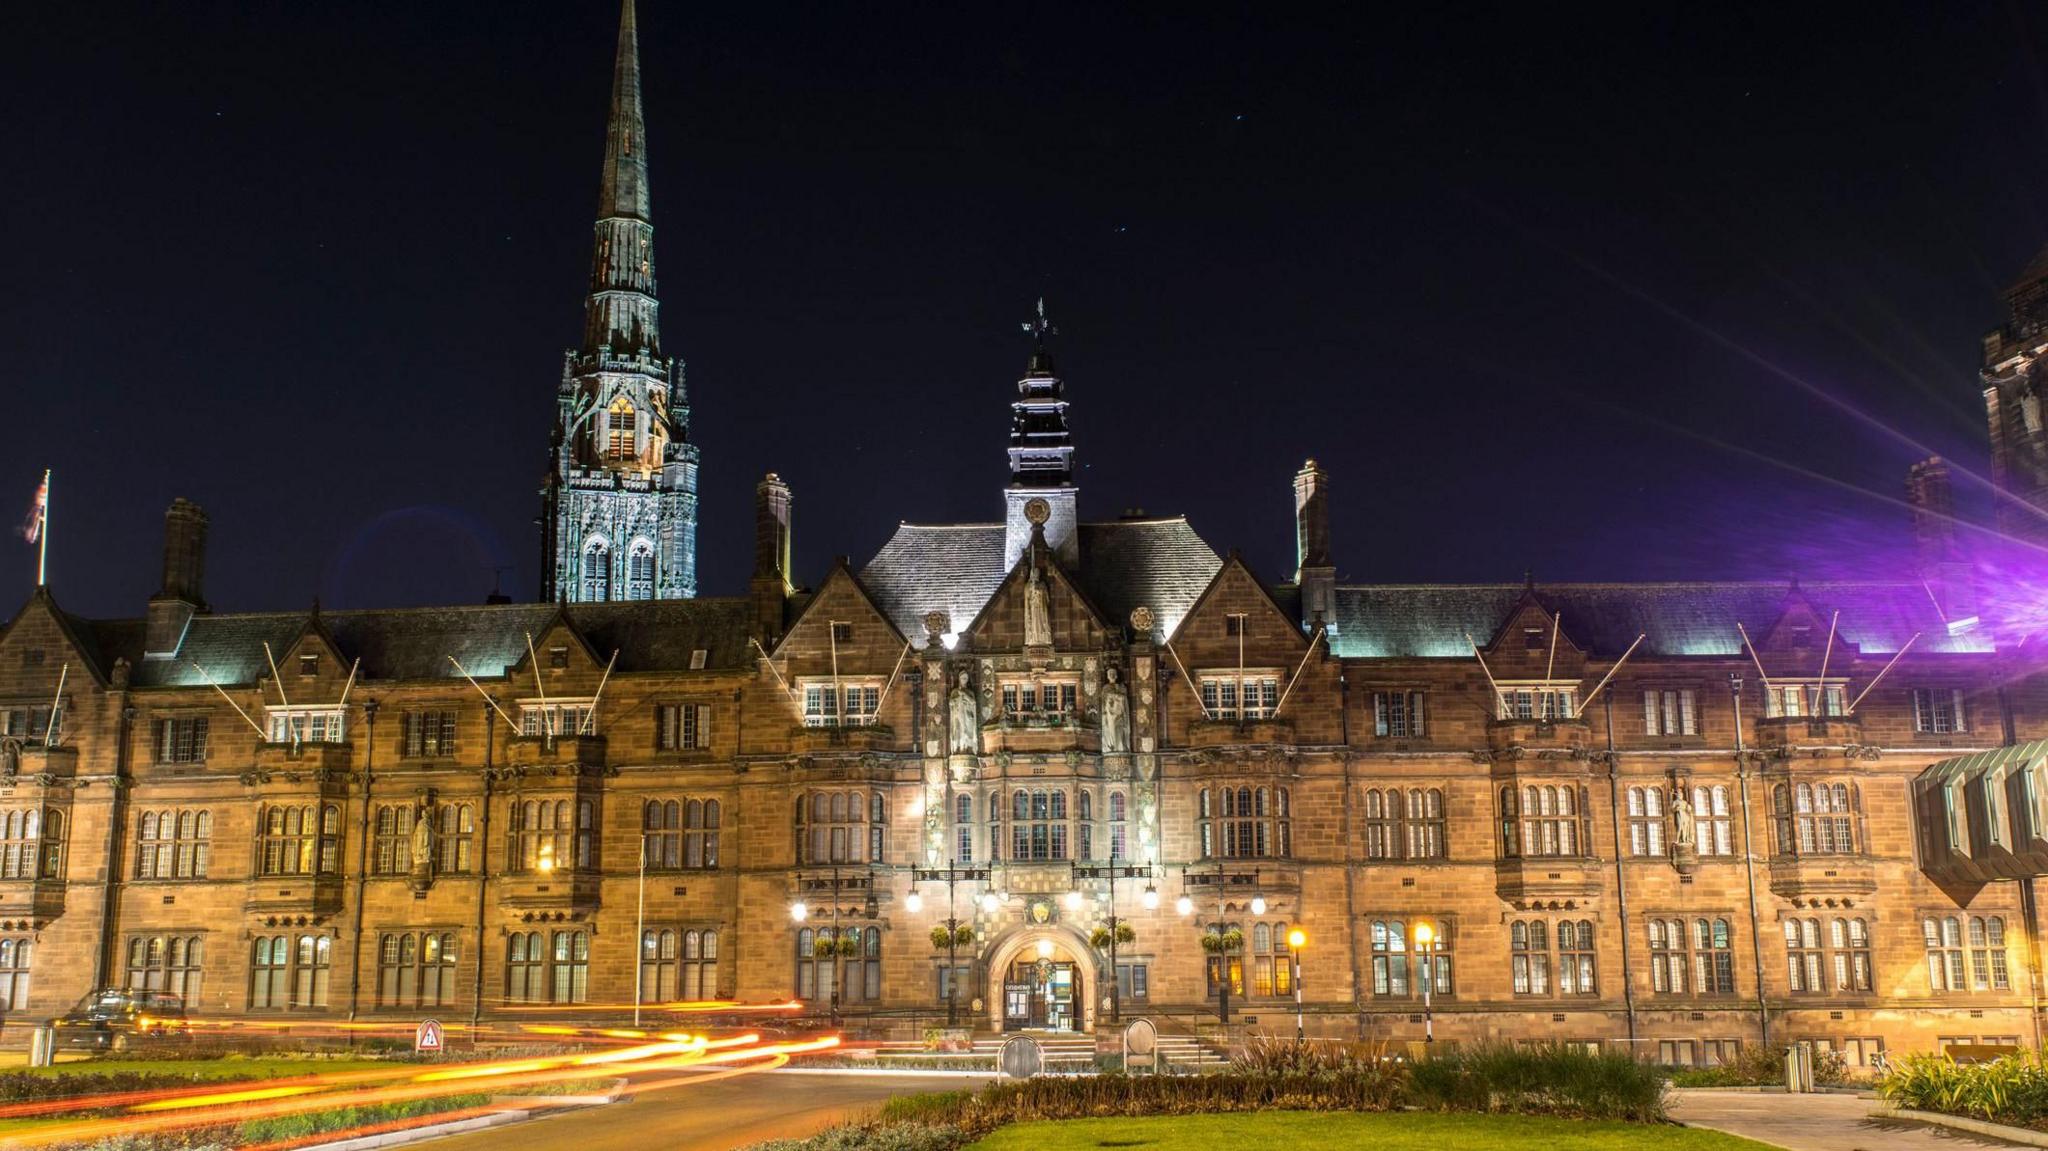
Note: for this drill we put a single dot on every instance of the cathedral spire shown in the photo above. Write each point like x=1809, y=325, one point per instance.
x=625, y=140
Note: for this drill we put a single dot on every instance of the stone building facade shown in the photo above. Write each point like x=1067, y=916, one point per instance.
x=1678, y=816
x=1675, y=817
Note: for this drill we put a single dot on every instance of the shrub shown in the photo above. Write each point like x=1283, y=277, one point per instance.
x=1099, y=938
x=874, y=1137
x=1549, y=1080
x=2012, y=1090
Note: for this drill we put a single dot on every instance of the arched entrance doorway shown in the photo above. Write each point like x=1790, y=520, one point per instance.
x=1040, y=983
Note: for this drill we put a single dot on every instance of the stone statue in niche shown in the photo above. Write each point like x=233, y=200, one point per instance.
x=1037, y=613
x=1681, y=816
x=1116, y=716
x=423, y=845
x=964, y=716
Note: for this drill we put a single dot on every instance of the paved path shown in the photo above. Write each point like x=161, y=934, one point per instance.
x=1819, y=1122
x=713, y=1116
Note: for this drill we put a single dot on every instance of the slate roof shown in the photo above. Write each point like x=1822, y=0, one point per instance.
x=415, y=643
x=1679, y=619
x=955, y=568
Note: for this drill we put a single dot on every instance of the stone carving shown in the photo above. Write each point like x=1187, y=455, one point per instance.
x=964, y=718
x=1681, y=815
x=1037, y=613
x=1116, y=716
x=423, y=840
x=1037, y=510
x=10, y=757
x=1141, y=620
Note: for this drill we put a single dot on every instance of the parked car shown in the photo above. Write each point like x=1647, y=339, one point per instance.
x=114, y=1020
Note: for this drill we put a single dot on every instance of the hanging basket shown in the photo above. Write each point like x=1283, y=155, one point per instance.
x=849, y=946
x=1233, y=940
x=1212, y=942
x=825, y=948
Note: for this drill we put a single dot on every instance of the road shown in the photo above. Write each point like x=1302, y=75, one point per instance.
x=1822, y=1122
x=716, y=1116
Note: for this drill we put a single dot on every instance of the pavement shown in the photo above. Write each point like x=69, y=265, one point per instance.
x=1819, y=1122
x=713, y=1116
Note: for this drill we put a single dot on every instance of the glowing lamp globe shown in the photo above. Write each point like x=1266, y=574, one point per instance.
x=799, y=911
x=991, y=903
x=1150, y=898
x=1184, y=905
x=913, y=903
x=1258, y=905
x=1297, y=939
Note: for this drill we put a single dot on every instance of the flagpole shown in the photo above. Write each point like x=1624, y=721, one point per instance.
x=43, y=553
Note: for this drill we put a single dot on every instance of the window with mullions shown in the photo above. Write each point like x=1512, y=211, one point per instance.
x=1983, y=966
x=1646, y=821
x=181, y=739
x=168, y=963
x=1575, y=957
x=640, y=570
x=416, y=969
x=391, y=848
x=963, y=828
x=1397, y=714
x=597, y=571
x=840, y=827
x=1816, y=818
x=551, y=834
x=173, y=844
x=31, y=844
x=682, y=726
x=1817, y=949
x=427, y=735
x=456, y=826
x=557, y=718
x=620, y=420
x=1543, y=701
x=569, y=968
x=1784, y=700
x=678, y=965
x=526, y=961
x=290, y=971
x=680, y=833
x=1404, y=824
x=1529, y=956
x=1038, y=824
x=1696, y=956
x=1240, y=695
x=1119, y=813
x=1669, y=712
x=547, y=968
x=854, y=704
x=1272, y=966
x=1400, y=966
x=1225, y=969
x=1246, y=823
x=15, y=956
x=1937, y=711
x=306, y=725
x=299, y=840
x=1711, y=832
x=1540, y=820
x=1023, y=698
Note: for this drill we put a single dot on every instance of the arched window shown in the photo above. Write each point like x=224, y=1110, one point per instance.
x=1119, y=833
x=620, y=421
x=640, y=570
x=1038, y=825
x=298, y=840
x=597, y=571
x=1424, y=822
x=700, y=964
x=1255, y=823
x=657, y=966
x=839, y=827
x=173, y=844
x=1944, y=939
x=1550, y=824
x=1646, y=821
x=963, y=827
x=1710, y=820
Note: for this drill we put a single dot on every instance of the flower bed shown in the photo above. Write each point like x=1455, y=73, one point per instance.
x=2012, y=1091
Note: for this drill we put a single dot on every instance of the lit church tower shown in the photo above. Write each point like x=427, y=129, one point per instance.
x=619, y=504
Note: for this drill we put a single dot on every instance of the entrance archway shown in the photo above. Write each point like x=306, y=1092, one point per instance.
x=1040, y=981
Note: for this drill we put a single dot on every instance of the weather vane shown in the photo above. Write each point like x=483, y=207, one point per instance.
x=1040, y=328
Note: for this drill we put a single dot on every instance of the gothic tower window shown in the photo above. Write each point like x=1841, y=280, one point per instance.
x=619, y=422
x=640, y=570
x=597, y=571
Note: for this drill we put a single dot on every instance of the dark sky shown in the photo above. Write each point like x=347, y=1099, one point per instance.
x=1540, y=286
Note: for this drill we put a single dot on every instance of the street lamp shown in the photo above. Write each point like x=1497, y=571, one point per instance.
x=1296, y=940
x=800, y=911
x=1425, y=943
x=952, y=874
x=1113, y=872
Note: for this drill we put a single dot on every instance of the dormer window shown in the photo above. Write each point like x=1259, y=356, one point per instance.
x=1538, y=699
x=557, y=717
x=842, y=703
x=306, y=725
x=1240, y=695
x=1789, y=699
x=1533, y=638
x=558, y=658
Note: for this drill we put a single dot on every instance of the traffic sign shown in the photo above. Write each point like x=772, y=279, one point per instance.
x=428, y=1037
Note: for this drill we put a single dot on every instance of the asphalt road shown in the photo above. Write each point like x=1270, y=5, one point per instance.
x=715, y=1116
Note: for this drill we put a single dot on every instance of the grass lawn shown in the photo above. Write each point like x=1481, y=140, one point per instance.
x=1330, y=1131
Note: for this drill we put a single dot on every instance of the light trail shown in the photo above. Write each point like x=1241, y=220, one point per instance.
x=237, y=1103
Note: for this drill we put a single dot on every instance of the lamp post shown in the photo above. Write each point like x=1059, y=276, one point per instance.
x=1113, y=872
x=1296, y=940
x=1425, y=943
x=951, y=874
x=800, y=911
x=640, y=933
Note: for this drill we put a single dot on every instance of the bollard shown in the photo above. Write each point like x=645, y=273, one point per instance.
x=42, y=1046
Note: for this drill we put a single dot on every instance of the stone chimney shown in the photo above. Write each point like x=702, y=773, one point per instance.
x=771, y=587
x=1934, y=511
x=183, y=593
x=1313, y=572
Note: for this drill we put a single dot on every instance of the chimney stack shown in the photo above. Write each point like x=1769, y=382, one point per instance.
x=1314, y=574
x=183, y=593
x=1934, y=511
x=771, y=587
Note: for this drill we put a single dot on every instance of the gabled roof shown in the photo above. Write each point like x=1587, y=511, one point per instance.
x=956, y=568
x=1679, y=619
x=415, y=643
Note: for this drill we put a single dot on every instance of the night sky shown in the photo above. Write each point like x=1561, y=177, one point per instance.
x=1543, y=288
